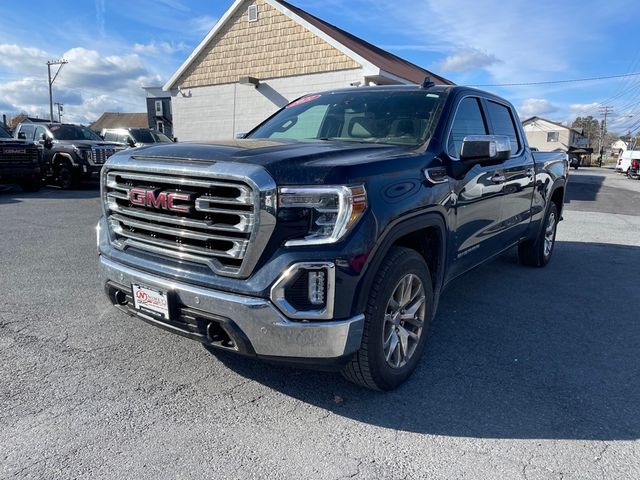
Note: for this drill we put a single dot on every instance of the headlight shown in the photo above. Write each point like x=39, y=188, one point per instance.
x=84, y=153
x=333, y=211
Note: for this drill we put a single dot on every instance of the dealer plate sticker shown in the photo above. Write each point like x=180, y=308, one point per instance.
x=149, y=300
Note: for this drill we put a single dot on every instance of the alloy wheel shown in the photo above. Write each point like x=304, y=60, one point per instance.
x=403, y=321
x=549, y=234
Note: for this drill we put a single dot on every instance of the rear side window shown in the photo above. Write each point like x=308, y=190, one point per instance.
x=468, y=121
x=503, y=123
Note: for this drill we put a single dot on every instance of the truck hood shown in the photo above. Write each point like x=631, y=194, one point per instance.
x=88, y=143
x=285, y=160
x=15, y=142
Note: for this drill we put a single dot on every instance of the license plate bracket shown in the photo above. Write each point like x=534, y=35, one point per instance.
x=151, y=301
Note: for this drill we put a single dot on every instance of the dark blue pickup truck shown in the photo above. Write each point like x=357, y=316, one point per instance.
x=328, y=234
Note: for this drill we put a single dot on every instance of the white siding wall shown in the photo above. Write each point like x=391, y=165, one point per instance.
x=537, y=131
x=207, y=113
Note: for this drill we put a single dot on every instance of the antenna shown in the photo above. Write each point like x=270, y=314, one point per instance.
x=427, y=83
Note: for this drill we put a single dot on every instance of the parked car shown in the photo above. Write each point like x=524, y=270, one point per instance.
x=625, y=160
x=71, y=152
x=634, y=170
x=327, y=236
x=574, y=161
x=20, y=162
x=134, y=137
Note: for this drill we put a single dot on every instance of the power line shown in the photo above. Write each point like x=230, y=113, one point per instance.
x=551, y=82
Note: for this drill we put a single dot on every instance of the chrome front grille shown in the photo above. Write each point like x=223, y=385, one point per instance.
x=99, y=155
x=218, y=223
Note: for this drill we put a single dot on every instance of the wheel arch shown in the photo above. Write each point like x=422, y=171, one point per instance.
x=427, y=234
x=60, y=158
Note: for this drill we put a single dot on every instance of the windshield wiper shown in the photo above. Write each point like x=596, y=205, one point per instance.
x=343, y=139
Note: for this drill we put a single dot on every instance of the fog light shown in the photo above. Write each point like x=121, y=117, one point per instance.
x=306, y=291
x=316, y=283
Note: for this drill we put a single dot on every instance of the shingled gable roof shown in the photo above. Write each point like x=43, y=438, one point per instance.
x=120, y=120
x=374, y=60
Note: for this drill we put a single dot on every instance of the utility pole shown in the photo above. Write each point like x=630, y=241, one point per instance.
x=61, y=63
x=606, y=111
x=60, y=110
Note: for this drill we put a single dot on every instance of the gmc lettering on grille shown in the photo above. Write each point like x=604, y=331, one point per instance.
x=161, y=200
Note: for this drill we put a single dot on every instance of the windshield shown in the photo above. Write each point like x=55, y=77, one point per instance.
x=73, y=132
x=143, y=135
x=4, y=133
x=390, y=117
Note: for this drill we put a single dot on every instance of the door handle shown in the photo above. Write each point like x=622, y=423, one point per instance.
x=498, y=178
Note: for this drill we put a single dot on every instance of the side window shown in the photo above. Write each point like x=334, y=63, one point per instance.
x=468, y=121
x=503, y=123
x=39, y=132
x=28, y=131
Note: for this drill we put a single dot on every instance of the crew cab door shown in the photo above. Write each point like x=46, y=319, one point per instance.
x=477, y=193
x=518, y=171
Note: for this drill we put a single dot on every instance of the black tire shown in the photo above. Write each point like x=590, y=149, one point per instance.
x=32, y=185
x=534, y=253
x=369, y=367
x=65, y=177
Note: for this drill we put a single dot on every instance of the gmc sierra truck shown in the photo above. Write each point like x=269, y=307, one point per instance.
x=327, y=235
x=71, y=152
x=20, y=162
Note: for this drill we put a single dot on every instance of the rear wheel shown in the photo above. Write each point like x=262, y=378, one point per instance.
x=398, y=313
x=538, y=253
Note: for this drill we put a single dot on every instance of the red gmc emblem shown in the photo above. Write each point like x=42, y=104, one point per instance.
x=161, y=200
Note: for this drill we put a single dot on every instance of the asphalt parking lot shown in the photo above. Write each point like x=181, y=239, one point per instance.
x=528, y=373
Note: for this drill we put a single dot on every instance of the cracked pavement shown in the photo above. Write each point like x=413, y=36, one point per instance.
x=528, y=374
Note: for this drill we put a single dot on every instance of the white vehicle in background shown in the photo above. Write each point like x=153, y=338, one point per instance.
x=626, y=159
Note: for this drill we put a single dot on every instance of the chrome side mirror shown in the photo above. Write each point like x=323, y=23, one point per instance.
x=481, y=148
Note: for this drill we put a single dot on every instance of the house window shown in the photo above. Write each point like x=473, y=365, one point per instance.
x=253, y=13
x=553, y=136
x=158, y=108
x=160, y=126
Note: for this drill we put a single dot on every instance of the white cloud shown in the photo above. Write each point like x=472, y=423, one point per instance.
x=469, y=59
x=584, y=109
x=87, y=69
x=24, y=59
x=536, y=106
x=159, y=48
x=88, y=85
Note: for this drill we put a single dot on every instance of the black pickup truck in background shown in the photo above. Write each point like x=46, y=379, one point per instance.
x=327, y=236
x=20, y=162
x=71, y=152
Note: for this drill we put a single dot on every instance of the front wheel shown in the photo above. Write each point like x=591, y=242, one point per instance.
x=65, y=177
x=538, y=253
x=397, y=316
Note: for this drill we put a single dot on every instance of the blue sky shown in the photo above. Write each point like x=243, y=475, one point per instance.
x=115, y=47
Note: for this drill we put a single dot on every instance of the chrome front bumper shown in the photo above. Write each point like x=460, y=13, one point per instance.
x=268, y=332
